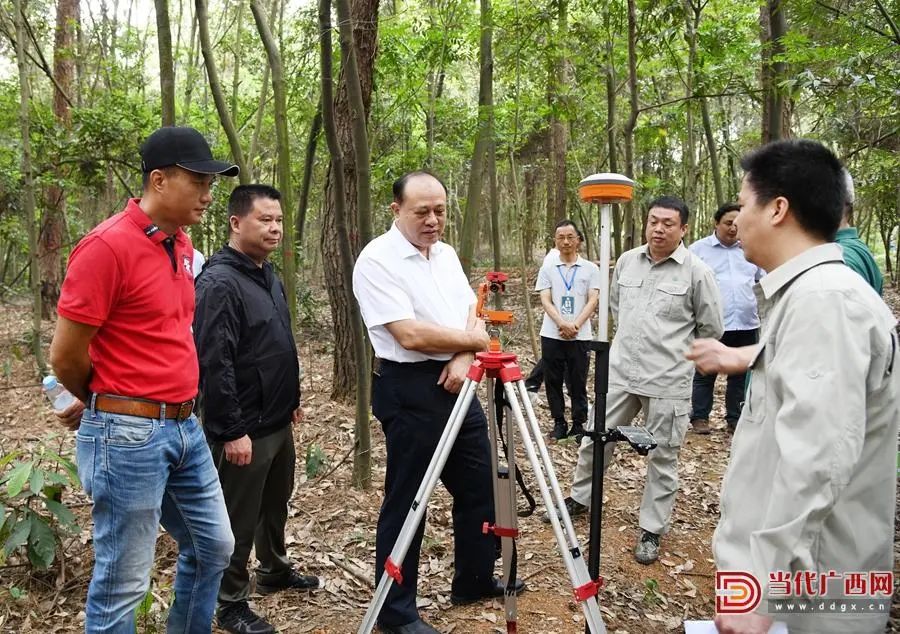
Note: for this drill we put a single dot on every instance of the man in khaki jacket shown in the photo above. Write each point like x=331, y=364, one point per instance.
x=662, y=297
x=809, y=493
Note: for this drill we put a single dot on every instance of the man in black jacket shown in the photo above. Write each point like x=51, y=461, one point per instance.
x=250, y=390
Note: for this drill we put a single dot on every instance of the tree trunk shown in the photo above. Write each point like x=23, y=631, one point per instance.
x=632, y=232
x=713, y=152
x=166, y=66
x=238, y=62
x=495, y=208
x=191, y=73
x=53, y=224
x=252, y=163
x=558, y=86
x=362, y=475
x=773, y=28
x=283, y=141
x=483, y=137
x=691, y=175
x=611, y=132
x=532, y=178
x=215, y=87
x=364, y=14
x=525, y=259
x=358, y=132
x=28, y=181
x=309, y=162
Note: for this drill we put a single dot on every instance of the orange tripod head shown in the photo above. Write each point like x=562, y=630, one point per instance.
x=495, y=282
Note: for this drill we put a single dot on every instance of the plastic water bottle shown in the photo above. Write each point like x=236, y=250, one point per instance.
x=57, y=394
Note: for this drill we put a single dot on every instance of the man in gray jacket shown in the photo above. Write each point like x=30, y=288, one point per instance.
x=661, y=298
x=808, y=499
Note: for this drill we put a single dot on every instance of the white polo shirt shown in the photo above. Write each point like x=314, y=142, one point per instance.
x=392, y=281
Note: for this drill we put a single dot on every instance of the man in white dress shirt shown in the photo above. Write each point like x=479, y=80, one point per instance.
x=420, y=313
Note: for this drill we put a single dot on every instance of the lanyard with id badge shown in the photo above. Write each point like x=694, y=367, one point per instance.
x=567, y=305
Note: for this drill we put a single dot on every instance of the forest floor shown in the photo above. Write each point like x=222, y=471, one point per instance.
x=331, y=529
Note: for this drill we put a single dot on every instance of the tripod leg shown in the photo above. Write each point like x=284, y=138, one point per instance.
x=419, y=505
x=504, y=508
x=584, y=587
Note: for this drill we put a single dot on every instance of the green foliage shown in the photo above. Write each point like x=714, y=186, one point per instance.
x=652, y=596
x=315, y=460
x=33, y=517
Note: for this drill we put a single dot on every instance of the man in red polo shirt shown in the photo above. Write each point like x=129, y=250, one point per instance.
x=123, y=346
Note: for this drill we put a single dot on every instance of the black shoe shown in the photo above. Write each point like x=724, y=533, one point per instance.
x=240, y=619
x=577, y=432
x=495, y=589
x=416, y=627
x=560, y=430
x=646, y=551
x=293, y=581
x=573, y=508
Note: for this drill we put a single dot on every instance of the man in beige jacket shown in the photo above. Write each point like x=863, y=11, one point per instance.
x=810, y=489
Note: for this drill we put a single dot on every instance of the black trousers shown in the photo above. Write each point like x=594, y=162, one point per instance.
x=569, y=360
x=704, y=384
x=413, y=411
x=256, y=496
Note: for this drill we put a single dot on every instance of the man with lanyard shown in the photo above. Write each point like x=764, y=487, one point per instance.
x=420, y=313
x=569, y=287
x=809, y=495
x=123, y=346
x=661, y=298
x=856, y=254
x=735, y=277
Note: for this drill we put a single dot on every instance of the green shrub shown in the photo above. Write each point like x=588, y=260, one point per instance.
x=33, y=518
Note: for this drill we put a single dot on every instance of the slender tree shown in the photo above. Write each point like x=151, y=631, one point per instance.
x=166, y=65
x=53, y=224
x=483, y=137
x=288, y=247
x=315, y=130
x=632, y=232
x=28, y=180
x=364, y=15
x=215, y=87
x=358, y=133
x=362, y=469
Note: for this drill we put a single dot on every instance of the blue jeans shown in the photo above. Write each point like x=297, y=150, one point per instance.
x=141, y=472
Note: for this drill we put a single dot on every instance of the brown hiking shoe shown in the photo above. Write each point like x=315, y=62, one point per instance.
x=700, y=426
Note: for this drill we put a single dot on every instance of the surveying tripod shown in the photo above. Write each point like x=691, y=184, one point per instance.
x=503, y=366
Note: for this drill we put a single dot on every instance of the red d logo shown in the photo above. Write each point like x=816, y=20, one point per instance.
x=737, y=592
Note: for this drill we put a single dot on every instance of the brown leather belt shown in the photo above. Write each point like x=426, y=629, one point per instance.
x=145, y=409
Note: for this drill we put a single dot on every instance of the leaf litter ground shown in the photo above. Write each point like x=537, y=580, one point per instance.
x=331, y=528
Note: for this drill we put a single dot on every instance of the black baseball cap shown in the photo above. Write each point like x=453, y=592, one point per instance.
x=184, y=147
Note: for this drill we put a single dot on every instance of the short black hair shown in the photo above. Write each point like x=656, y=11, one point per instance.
x=240, y=202
x=565, y=222
x=807, y=174
x=145, y=177
x=724, y=209
x=671, y=202
x=399, y=186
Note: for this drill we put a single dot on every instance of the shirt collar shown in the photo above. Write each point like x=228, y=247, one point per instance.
x=847, y=232
x=714, y=240
x=797, y=265
x=407, y=249
x=679, y=254
x=557, y=260
x=143, y=222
